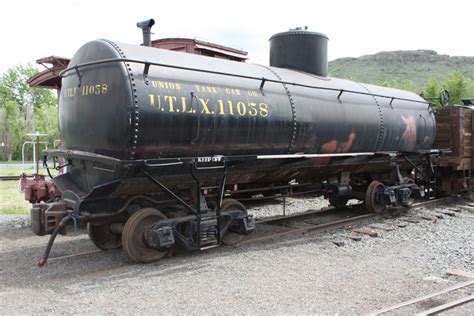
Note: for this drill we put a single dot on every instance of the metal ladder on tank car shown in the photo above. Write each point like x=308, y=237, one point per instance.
x=431, y=177
x=208, y=222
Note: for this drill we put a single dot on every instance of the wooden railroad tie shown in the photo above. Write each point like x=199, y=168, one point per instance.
x=366, y=231
x=466, y=208
x=429, y=218
x=382, y=227
x=354, y=236
x=411, y=220
x=446, y=212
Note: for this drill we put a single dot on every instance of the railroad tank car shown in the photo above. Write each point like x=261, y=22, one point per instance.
x=178, y=112
x=155, y=141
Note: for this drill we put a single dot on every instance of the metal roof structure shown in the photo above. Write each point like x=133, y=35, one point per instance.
x=195, y=46
x=50, y=78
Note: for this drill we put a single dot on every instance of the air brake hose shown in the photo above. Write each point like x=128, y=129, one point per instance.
x=64, y=222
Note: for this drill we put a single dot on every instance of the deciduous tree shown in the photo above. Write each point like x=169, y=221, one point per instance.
x=24, y=110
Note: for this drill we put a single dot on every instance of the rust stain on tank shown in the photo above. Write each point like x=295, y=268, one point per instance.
x=329, y=147
x=345, y=147
x=333, y=147
x=409, y=135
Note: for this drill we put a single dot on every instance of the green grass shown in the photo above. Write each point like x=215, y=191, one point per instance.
x=12, y=201
x=15, y=210
x=19, y=171
x=13, y=171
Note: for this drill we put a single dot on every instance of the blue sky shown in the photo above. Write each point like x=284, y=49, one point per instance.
x=33, y=29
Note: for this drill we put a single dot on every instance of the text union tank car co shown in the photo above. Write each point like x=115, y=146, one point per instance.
x=160, y=145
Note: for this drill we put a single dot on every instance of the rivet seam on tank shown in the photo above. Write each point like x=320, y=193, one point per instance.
x=136, y=118
x=293, y=109
x=382, y=129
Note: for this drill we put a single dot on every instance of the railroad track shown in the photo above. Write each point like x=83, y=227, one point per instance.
x=324, y=227
x=355, y=220
x=434, y=202
x=435, y=309
x=9, y=178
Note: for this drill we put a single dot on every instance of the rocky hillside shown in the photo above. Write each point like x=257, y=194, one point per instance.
x=417, y=66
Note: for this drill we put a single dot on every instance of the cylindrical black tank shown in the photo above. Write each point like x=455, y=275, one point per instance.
x=119, y=112
x=300, y=50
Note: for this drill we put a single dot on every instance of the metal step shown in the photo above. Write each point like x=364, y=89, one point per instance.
x=210, y=246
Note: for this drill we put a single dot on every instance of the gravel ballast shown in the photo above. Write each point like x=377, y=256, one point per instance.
x=301, y=274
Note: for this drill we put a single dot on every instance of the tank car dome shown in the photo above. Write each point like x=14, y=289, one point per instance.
x=300, y=49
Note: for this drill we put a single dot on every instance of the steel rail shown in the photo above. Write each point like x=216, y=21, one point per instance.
x=433, y=202
x=310, y=212
x=324, y=210
x=422, y=298
x=277, y=219
x=444, y=307
x=326, y=226
x=9, y=178
x=282, y=218
x=313, y=228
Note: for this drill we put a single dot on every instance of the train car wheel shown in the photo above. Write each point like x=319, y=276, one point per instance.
x=338, y=201
x=102, y=237
x=133, y=240
x=231, y=204
x=371, y=202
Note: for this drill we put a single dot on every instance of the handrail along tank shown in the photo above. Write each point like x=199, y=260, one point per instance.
x=116, y=110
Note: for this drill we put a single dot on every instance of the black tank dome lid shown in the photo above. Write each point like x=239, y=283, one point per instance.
x=298, y=31
x=300, y=49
